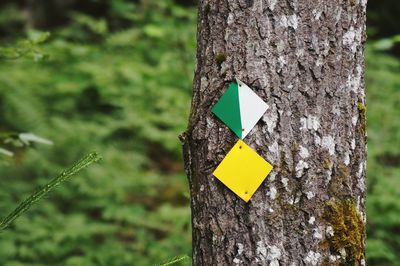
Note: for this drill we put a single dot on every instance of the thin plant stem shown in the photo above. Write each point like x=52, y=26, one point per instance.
x=175, y=260
x=32, y=199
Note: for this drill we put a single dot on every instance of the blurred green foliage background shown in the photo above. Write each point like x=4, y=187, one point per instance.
x=115, y=76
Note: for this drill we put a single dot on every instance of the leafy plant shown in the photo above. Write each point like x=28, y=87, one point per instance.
x=125, y=92
x=383, y=167
x=26, y=48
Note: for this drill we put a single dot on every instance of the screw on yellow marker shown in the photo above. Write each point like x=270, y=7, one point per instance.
x=242, y=170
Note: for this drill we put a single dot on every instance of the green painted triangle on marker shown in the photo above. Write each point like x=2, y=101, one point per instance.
x=228, y=110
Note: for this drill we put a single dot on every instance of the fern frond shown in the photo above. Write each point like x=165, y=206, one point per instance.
x=27, y=203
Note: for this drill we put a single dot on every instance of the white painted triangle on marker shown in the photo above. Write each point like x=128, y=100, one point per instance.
x=252, y=108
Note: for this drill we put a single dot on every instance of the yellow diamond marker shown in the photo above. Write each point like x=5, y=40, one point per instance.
x=242, y=170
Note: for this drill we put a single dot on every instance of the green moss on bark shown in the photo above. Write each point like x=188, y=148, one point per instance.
x=207, y=9
x=362, y=111
x=349, y=230
x=340, y=179
x=361, y=108
x=220, y=58
x=326, y=160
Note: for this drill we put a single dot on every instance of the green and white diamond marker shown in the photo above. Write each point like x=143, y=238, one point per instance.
x=240, y=108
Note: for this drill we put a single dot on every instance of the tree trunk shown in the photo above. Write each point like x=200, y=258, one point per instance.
x=305, y=59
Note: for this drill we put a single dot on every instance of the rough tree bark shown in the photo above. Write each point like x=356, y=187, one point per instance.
x=305, y=58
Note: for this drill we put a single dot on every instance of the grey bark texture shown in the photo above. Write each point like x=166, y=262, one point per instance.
x=305, y=58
